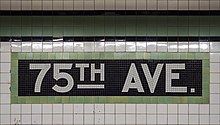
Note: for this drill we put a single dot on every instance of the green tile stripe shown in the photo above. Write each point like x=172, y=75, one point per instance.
x=204, y=99
x=109, y=26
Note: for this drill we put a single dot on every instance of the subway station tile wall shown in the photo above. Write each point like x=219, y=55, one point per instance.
x=109, y=113
x=109, y=4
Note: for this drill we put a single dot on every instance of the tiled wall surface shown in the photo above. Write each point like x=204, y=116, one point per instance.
x=109, y=4
x=59, y=26
x=109, y=113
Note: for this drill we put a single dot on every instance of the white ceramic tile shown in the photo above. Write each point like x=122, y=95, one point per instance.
x=162, y=46
x=204, y=109
x=47, y=46
x=151, y=108
x=120, y=119
x=47, y=119
x=193, y=46
x=78, y=5
x=99, y=119
x=78, y=108
x=120, y=108
x=109, y=4
x=141, y=108
x=57, y=108
x=204, y=46
x=78, y=46
x=151, y=5
x=89, y=118
x=57, y=118
x=162, y=119
x=16, y=46
x=25, y=119
x=172, y=108
x=26, y=46
x=183, y=119
x=130, y=119
x=183, y=108
x=5, y=77
x=78, y=119
x=67, y=108
x=130, y=46
x=214, y=4
x=130, y=108
x=151, y=119
x=214, y=57
x=151, y=46
x=68, y=119
x=193, y=108
x=36, y=119
x=214, y=88
x=214, y=120
x=5, y=119
x=5, y=88
x=214, y=109
x=204, y=119
x=172, y=119
x=109, y=108
x=109, y=46
x=57, y=46
x=141, y=119
x=89, y=47
x=120, y=46
x=68, y=46
x=141, y=46
x=214, y=67
x=47, y=108
x=214, y=78
x=5, y=109
x=5, y=67
x=15, y=108
x=183, y=46
x=89, y=108
x=109, y=119
x=214, y=47
x=194, y=119
x=172, y=47
x=99, y=108
x=162, y=109
x=36, y=108
x=99, y=46
x=5, y=47
x=26, y=108
x=5, y=57
x=37, y=46
x=15, y=119
x=5, y=98
x=214, y=98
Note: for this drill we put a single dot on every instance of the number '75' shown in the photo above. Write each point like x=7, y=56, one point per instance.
x=44, y=67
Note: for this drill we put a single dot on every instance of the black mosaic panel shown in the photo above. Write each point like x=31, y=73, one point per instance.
x=115, y=75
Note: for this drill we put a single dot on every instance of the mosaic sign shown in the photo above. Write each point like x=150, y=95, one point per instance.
x=110, y=78
x=156, y=78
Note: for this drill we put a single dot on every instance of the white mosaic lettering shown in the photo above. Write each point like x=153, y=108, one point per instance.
x=170, y=76
x=152, y=81
x=44, y=68
x=59, y=75
x=82, y=69
x=133, y=74
x=101, y=71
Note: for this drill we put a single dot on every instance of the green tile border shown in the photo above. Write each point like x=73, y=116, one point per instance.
x=204, y=99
